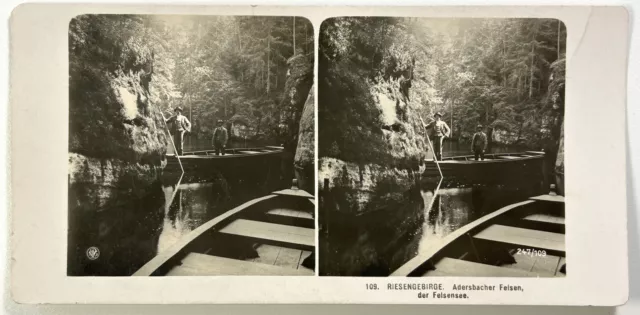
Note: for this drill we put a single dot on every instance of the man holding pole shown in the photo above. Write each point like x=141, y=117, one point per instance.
x=440, y=131
x=181, y=125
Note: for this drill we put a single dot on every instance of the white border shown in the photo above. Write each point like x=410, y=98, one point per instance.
x=596, y=187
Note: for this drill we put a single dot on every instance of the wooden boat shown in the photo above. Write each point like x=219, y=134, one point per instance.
x=496, y=168
x=525, y=239
x=271, y=235
x=206, y=160
x=235, y=152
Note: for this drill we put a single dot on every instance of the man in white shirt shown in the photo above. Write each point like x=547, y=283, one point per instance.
x=181, y=125
x=440, y=131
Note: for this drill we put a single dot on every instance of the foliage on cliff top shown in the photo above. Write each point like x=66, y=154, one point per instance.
x=365, y=73
x=215, y=67
x=494, y=72
x=110, y=68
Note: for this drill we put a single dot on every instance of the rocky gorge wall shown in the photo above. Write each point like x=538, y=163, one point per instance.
x=117, y=143
x=304, y=160
x=298, y=101
x=366, y=207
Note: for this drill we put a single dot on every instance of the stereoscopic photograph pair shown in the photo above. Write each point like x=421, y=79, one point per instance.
x=192, y=146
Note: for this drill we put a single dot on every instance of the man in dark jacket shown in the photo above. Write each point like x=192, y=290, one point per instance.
x=220, y=137
x=479, y=143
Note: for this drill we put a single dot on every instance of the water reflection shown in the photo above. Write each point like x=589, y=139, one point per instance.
x=453, y=208
x=192, y=206
x=378, y=243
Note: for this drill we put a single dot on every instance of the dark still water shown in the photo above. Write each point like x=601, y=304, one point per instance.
x=193, y=205
x=453, y=208
x=132, y=233
x=378, y=243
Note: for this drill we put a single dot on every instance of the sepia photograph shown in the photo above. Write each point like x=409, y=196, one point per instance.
x=441, y=147
x=191, y=146
x=344, y=155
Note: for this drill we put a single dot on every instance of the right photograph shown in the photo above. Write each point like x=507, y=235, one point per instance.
x=441, y=147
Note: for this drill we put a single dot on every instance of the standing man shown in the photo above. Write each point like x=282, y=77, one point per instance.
x=440, y=131
x=181, y=125
x=220, y=137
x=479, y=143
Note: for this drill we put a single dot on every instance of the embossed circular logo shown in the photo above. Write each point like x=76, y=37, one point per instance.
x=93, y=253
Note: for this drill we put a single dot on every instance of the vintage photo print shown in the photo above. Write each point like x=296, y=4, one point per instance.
x=191, y=145
x=456, y=155
x=441, y=148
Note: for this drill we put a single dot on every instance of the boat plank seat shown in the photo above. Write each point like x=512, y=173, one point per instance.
x=541, y=222
x=196, y=264
x=457, y=267
x=290, y=213
x=549, y=198
x=294, y=193
x=270, y=233
x=523, y=237
x=508, y=157
x=544, y=218
x=290, y=217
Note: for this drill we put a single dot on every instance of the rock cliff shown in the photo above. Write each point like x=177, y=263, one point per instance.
x=370, y=202
x=304, y=161
x=117, y=143
x=296, y=104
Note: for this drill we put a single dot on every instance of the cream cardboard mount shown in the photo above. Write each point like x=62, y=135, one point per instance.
x=595, y=226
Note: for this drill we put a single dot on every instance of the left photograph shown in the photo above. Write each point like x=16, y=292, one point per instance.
x=191, y=146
